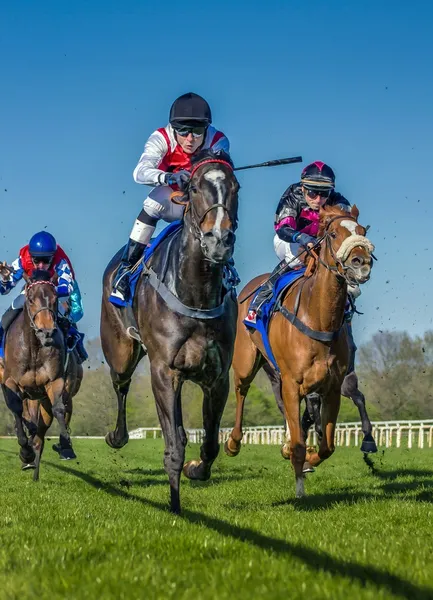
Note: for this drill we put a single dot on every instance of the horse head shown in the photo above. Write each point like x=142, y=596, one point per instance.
x=212, y=212
x=347, y=251
x=41, y=303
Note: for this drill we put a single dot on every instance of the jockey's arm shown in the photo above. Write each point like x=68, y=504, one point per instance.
x=146, y=172
x=65, y=282
x=76, y=304
x=285, y=218
x=8, y=282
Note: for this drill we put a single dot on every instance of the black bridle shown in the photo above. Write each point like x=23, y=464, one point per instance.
x=196, y=218
x=44, y=308
x=348, y=273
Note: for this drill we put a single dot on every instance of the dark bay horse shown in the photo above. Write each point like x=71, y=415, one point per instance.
x=34, y=369
x=315, y=359
x=186, y=319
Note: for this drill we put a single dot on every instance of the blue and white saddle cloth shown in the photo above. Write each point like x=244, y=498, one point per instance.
x=231, y=278
x=267, y=309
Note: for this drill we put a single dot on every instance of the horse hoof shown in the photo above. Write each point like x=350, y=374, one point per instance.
x=285, y=451
x=26, y=467
x=113, y=442
x=27, y=457
x=368, y=446
x=194, y=469
x=232, y=451
x=307, y=468
x=67, y=454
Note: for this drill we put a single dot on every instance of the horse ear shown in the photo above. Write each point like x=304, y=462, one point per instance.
x=26, y=277
x=55, y=278
x=354, y=212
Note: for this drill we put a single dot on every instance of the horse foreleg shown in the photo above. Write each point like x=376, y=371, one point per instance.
x=351, y=390
x=30, y=417
x=64, y=447
x=214, y=401
x=245, y=369
x=296, y=449
x=55, y=391
x=330, y=410
x=45, y=418
x=119, y=437
x=275, y=380
x=167, y=387
x=15, y=404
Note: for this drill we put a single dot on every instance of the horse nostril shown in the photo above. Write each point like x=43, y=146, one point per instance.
x=357, y=261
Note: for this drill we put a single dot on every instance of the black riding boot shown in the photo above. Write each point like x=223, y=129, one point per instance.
x=132, y=253
x=265, y=292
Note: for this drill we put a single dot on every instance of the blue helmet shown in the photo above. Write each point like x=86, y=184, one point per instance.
x=42, y=244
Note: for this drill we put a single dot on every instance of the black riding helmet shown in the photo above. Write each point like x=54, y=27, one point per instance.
x=192, y=110
x=318, y=177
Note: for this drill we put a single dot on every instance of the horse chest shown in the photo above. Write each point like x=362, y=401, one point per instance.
x=199, y=354
x=34, y=379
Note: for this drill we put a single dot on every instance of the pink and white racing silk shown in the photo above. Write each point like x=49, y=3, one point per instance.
x=163, y=154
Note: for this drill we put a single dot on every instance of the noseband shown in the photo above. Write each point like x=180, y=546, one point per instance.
x=347, y=271
x=32, y=317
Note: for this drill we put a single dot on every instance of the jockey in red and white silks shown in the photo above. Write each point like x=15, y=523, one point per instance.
x=166, y=165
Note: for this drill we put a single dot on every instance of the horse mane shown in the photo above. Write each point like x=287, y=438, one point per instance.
x=40, y=275
x=208, y=154
x=327, y=213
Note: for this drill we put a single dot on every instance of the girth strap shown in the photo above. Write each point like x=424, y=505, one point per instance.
x=320, y=336
x=176, y=305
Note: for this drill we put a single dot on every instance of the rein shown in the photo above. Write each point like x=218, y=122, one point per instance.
x=346, y=274
x=325, y=336
x=157, y=281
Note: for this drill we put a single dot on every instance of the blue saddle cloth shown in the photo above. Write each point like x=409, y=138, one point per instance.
x=134, y=277
x=262, y=322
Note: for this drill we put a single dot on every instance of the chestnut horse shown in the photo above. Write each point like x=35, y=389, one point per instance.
x=34, y=370
x=186, y=318
x=312, y=354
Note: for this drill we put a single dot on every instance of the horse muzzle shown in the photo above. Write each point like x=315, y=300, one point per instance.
x=218, y=246
x=359, y=268
x=46, y=336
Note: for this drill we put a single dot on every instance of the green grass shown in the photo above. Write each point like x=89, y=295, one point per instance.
x=99, y=527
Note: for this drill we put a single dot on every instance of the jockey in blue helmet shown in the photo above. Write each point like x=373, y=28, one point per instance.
x=43, y=252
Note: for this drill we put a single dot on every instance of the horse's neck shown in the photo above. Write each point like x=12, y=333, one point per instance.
x=327, y=299
x=195, y=281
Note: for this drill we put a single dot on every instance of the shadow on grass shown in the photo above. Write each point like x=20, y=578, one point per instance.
x=310, y=556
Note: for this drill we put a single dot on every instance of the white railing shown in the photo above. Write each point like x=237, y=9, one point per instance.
x=407, y=434
x=399, y=434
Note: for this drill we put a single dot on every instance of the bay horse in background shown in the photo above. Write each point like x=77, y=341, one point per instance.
x=34, y=371
x=185, y=317
x=316, y=305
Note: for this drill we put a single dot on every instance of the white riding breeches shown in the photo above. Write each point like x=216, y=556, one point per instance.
x=287, y=251
x=159, y=206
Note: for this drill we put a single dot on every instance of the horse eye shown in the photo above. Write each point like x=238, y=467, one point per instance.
x=333, y=234
x=193, y=189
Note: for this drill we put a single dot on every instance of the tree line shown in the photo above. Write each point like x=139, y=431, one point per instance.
x=395, y=372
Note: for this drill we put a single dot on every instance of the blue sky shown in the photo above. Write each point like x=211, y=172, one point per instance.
x=83, y=84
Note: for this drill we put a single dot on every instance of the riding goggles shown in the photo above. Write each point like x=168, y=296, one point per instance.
x=312, y=194
x=42, y=259
x=184, y=131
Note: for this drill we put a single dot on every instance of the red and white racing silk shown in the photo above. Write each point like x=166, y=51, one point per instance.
x=162, y=154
